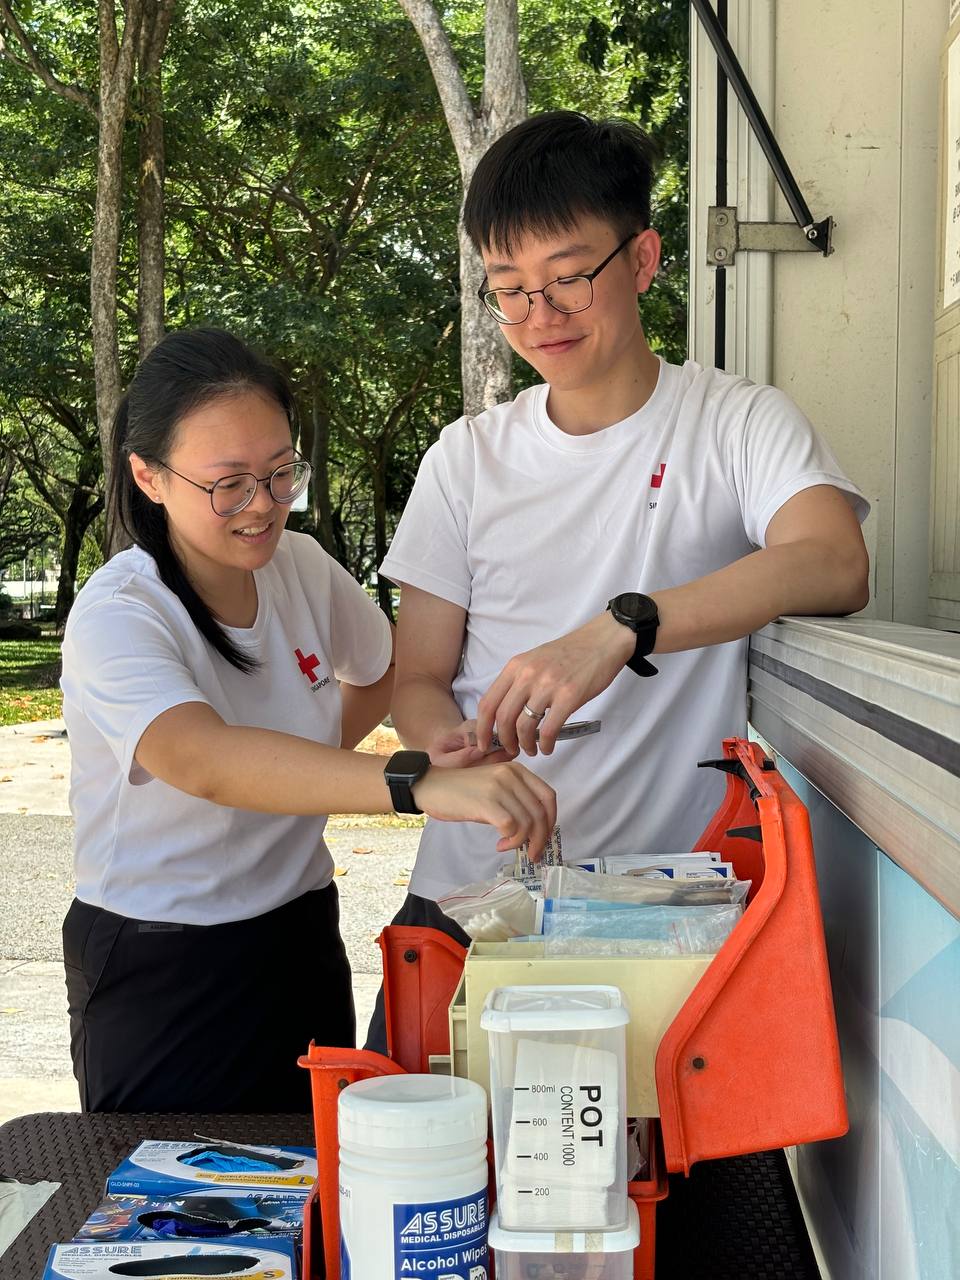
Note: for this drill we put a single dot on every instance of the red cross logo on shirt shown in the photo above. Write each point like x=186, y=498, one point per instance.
x=656, y=480
x=308, y=665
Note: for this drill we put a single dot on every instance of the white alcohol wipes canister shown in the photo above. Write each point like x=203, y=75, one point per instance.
x=413, y=1179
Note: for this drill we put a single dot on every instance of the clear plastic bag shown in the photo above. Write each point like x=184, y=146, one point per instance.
x=638, y=1149
x=571, y=882
x=636, y=930
x=492, y=910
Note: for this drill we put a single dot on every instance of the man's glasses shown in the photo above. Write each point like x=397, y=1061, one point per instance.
x=230, y=494
x=567, y=293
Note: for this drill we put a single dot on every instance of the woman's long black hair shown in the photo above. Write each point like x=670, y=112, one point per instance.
x=183, y=371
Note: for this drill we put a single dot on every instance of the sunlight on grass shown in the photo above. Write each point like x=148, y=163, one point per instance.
x=29, y=672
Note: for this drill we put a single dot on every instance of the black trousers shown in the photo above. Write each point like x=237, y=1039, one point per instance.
x=416, y=912
x=204, y=1018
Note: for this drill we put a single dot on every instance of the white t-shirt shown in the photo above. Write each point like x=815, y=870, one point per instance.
x=532, y=531
x=145, y=850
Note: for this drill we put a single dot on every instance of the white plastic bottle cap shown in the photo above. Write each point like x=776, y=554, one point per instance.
x=412, y=1111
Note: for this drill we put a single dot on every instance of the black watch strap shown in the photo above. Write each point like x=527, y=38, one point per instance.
x=403, y=769
x=639, y=664
x=639, y=613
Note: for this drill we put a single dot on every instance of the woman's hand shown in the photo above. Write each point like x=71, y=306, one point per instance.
x=507, y=796
x=457, y=749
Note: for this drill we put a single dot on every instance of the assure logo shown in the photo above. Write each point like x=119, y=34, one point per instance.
x=308, y=665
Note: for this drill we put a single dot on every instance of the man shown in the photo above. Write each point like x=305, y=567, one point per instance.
x=699, y=505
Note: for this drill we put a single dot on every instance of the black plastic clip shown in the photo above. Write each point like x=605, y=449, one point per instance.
x=726, y=765
x=736, y=768
x=746, y=833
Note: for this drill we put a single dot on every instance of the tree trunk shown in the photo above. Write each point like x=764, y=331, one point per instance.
x=152, y=161
x=77, y=519
x=117, y=59
x=485, y=357
x=378, y=474
x=320, y=462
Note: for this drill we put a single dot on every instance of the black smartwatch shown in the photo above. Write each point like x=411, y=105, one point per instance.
x=404, y=768
x=639, y=613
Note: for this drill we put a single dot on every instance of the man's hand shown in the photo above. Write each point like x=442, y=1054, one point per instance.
x=556, y=678
x=457, y=749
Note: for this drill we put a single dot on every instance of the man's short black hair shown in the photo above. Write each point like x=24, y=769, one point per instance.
x=555, y=168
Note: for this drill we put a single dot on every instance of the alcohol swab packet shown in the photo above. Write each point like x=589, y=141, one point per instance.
x=526, y=868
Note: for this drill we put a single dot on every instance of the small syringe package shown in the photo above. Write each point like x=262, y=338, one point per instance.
x=557, y=1092
x=174, y=1260
x=172, y=1168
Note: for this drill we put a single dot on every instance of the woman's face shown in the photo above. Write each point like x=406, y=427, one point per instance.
x=243, y=432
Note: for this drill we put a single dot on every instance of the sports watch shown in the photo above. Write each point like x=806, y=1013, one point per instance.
x=639, y=613
x=403, y=769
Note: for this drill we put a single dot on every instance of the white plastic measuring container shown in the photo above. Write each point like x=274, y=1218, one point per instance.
x=558, y=1095
x=413, y=1178
x=592, y=1255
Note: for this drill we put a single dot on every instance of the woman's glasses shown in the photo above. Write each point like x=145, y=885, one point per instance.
x=230, y=494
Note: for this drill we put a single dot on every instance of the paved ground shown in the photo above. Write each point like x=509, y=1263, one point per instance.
x=36, y=887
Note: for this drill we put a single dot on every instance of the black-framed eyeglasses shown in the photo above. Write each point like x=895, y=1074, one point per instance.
x=567, y=294
x=231, y=494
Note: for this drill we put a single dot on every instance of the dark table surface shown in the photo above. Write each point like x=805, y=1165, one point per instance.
x=78, y=1151
x=730, y=1220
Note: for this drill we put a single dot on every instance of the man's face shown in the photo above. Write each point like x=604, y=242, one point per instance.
x=576, y=351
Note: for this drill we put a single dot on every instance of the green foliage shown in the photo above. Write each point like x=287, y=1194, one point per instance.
x=48, y=430
x=312, y=193
x=645, y=43
x=91, y=556
x=25, y=522
x=313, y=211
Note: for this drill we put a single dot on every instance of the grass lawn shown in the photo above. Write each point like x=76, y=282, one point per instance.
x=29, y=672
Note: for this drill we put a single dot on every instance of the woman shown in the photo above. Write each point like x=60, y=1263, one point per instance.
x=216, y=677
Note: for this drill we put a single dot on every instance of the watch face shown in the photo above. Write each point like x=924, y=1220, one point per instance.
x=409, y=765
x=638, y=608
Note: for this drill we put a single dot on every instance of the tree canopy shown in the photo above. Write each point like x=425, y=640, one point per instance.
x=310, y=204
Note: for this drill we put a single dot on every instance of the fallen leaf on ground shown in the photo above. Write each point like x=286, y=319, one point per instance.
x=41, y=738
x=402, y=880
x=340, y=871
x=56, y=776
x=11, y=1011
x=363, y=851
x=6, y=778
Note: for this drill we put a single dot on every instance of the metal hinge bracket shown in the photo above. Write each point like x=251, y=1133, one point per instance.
x=727, y=236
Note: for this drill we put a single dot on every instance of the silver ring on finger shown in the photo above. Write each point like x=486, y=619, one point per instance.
x=534, y=715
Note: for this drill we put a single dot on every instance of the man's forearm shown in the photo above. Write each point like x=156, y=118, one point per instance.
x=423, y=707
x=803, y=577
